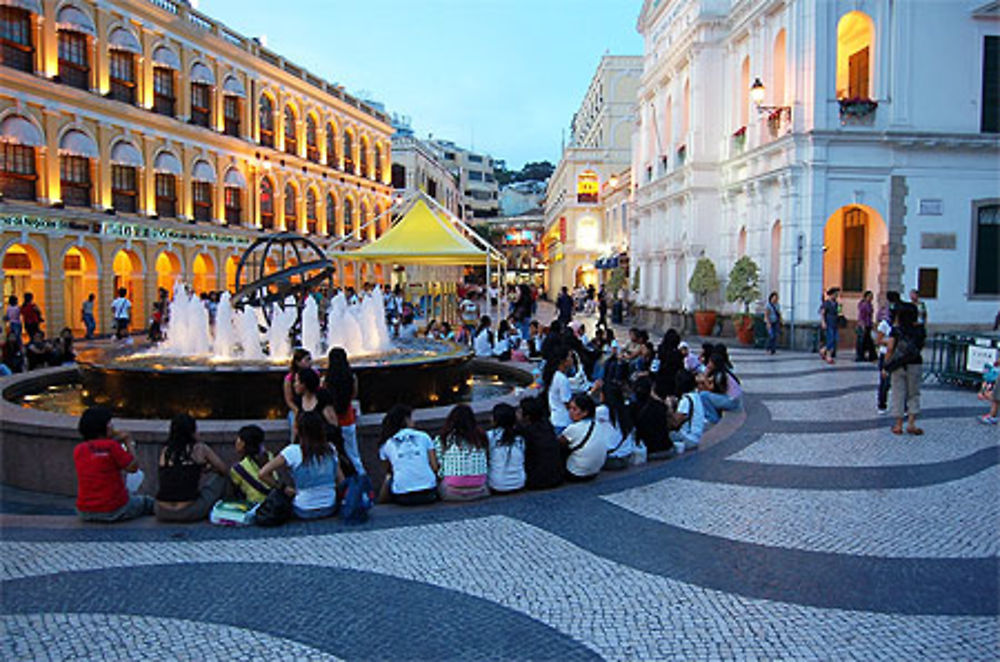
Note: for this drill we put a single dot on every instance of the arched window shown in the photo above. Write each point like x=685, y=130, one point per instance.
x=74, y=59
x=348, y=217
x=778, y=75
x=17, y=157
x=312, y=146
x=18, y=51
x=331, y=146
x=331, y=214
x=741, y=244
x=202, y=82
x=743, y=94
x=378, y=162
x=266, y=121
x=348, y=151
x=364, y=157
x=855, y=41
x=291, y=206
x=668, y=124
x=311, y=220
x=291, y=140
x=266, y=204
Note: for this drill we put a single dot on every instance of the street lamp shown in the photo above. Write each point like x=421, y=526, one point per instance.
x=757, y=96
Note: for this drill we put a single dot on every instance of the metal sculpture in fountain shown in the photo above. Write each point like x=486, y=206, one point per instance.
x=278, y=266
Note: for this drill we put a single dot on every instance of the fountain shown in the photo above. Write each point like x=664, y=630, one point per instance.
x=233, y=369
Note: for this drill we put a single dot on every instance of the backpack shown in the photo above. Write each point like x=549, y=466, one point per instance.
x=232, y=513
x=358, y=499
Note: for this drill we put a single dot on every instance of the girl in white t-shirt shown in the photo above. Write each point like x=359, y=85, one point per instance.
x=585, y=449
x=409, y=460
x=556, y=383
x=615, y=427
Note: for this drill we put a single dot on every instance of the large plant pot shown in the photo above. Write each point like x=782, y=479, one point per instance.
x=704, y=321
x=744, y=329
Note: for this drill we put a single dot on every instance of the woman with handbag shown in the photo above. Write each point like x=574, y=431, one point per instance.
x=585, y=451
x=314, y=468
x=903, y=366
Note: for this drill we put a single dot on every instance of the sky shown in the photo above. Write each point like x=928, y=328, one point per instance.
x=503, y=77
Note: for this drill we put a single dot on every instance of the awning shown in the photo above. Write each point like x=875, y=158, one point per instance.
x=202, y=74
x=78, y=143
x=235, y=178
x=203, y=172
x=75, y=20
x=167, y=163
x=234, y=86
x=19, y=131
x=422, y=236
x=123, y=40
x=33, y=6
x=165, y=57
x=125, y=153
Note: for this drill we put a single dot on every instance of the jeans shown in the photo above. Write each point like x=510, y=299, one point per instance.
x=883, y=385
x=831, y=339
x=524, y=327
x=772, y=338
x=315, y=513
x=715, y=403
x=350, y=433
x=89, y=324
x=137, y=506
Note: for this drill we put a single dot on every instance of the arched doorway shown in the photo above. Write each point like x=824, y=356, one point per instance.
x=348, y=275
x=232, y=264
x=23, y=271
x=774, y=273
x=79, y=281
x=168, y=270
x=203, y=273
x=127, y=269
x=855, y=242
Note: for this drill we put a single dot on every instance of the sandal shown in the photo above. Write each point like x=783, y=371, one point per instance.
x=897, y=429
x=915, y=431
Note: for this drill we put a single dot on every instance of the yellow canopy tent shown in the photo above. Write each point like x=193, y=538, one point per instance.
x=426, y=235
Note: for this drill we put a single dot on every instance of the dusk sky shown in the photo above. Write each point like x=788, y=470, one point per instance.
x=502, y=76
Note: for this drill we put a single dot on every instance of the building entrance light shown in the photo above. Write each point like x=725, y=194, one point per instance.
x=757, y=96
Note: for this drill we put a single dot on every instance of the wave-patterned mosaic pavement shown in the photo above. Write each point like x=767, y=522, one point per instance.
x=787, y=536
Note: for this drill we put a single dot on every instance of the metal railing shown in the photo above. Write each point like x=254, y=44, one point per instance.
x=960, y=357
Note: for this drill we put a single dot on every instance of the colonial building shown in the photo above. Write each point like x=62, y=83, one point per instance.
x=599, y=147
x=417, y=165
x=143, y=142
x=826, y=140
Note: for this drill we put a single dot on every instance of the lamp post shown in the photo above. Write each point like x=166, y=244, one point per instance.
x=775, y=113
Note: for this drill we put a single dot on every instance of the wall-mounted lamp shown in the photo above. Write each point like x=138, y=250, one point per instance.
x=757, y=96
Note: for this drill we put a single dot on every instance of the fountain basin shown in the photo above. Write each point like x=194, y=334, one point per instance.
x=136, y=384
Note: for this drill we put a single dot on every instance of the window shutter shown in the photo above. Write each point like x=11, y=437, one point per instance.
x=990, y=121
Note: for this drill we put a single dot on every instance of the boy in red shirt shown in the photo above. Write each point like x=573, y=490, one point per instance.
x=100, y=460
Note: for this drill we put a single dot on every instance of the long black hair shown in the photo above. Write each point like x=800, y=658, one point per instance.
x=461, y=426
x=505, y=418
x=394, y=420
x=339, y=379
x=311, y=429
x=559, y=354
x=253, y=444
x=181, y=439
x=614, y=400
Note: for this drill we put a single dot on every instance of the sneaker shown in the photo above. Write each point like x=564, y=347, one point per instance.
x=679, y=447
x=882, y=411
x=988, y=420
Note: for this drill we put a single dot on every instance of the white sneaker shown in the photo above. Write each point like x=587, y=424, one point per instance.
x=679, y=447
x=882, y=412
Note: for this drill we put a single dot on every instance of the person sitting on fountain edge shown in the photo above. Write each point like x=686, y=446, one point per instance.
x=100, y=460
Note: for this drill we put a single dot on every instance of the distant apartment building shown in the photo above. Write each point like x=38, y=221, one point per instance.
x=418, y=166
x=576, y=235
x=520, y=198
x=480, y=192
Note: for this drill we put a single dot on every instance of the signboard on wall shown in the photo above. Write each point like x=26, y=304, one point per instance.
x=979, y=357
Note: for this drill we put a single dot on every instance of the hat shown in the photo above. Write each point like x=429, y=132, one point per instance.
x=683, y=345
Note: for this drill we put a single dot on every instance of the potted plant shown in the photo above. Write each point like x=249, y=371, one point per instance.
x=743, y=287
x=704, y=282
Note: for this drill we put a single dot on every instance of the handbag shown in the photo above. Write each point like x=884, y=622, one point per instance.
x=233, y=513
x=275, y=510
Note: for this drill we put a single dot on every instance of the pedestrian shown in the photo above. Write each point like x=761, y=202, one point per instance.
x=864, y=349
x=342, y=385
x=830, y=324
x=564, y=305
x=921, y=308
x=772, y=317
x=882, y=331
x=12, y=316
x=121, y=311
x=31, y=315
x=87, y=315
x=904, y=365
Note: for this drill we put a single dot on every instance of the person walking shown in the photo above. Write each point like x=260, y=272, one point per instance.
x=31, y=315
x=87, y=315
x=12, y=316
x=772, y=317
x=121, y=310
x=829, y=322
x=864, y=349
x=564, y=304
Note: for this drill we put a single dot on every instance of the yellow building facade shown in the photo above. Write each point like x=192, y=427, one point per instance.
x=143, y=142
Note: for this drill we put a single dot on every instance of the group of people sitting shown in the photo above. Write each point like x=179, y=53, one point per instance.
x=39, y=352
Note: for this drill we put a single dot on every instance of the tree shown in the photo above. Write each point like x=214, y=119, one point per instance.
x=743, y=281
x=536, y=170
x=703, y=281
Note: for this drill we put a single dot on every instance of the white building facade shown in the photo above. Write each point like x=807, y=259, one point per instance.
x=869, y=161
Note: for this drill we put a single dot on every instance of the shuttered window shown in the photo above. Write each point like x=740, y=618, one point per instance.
x=990, y=121
x=855, y=222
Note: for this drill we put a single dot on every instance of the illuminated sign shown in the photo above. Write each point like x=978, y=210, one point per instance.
x=587, y=187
